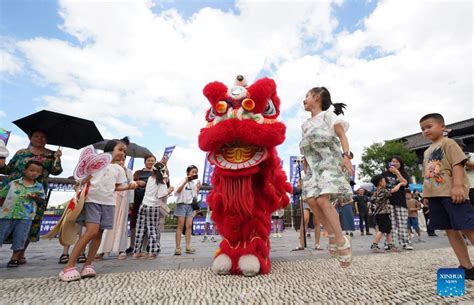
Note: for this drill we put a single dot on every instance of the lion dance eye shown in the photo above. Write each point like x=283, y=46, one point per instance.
x=248, y=104
x=221, y=107
x=211, y=116
x=270, y=110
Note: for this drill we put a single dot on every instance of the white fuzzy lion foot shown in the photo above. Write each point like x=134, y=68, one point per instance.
x=249, y=265
x=222, y=264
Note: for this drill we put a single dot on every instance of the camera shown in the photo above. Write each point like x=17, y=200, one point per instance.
x=191, y=178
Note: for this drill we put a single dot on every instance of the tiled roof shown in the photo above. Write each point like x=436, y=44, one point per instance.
x=463, y=129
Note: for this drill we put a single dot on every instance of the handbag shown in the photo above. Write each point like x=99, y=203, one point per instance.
x=164, y=210
x=195, y=204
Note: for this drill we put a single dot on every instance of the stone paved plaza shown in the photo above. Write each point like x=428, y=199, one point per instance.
x=297, y=277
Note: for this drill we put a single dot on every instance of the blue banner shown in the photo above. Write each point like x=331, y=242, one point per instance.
x=48, y=222
x=294, y=174
x=206, y=179
x=167, y=153
x=207, y=172
x=198, y=226
x=130, y=163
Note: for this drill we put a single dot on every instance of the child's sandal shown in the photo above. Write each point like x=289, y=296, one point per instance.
x=88, y=271
x=63, y=259
x=345, y=260
x=81, y=258
x=177, y=251
x=69, y=275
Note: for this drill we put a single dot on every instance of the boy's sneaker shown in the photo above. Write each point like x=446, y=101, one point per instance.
x=204, y=238
x=375, y=249
x=469, y=273
x=407, y=247
x=213, y=239
x=279, y=235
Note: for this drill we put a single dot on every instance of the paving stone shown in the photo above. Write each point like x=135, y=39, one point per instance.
x=297, y=277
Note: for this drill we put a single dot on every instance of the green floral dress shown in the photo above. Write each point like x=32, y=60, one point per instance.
x=14, y=169
x=322, y=150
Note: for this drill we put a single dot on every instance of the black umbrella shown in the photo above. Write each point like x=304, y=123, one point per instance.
x=133, y=150
x=61, y=129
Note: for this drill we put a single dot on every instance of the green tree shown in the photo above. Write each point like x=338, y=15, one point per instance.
x=376, y=156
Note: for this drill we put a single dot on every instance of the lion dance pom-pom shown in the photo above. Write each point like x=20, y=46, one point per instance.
x=248, y=182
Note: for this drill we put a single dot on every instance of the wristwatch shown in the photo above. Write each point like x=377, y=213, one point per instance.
x=348, y=154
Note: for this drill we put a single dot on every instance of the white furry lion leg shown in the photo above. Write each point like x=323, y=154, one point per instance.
x=249, y=265
x=222, y=264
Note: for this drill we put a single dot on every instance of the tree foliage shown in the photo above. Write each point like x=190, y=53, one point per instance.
x=375, y=158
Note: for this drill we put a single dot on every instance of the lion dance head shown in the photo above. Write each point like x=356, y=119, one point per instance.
x=240, y=137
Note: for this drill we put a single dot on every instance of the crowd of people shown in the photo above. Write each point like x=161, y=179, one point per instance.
x=113, y=197
x=326, y=193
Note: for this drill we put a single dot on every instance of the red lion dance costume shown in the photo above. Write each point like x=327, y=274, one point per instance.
x=248, y=182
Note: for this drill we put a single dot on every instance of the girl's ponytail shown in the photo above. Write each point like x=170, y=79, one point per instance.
x=339, y=108
x=326, y=100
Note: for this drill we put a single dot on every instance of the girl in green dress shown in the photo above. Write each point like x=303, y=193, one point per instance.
x=329, y=167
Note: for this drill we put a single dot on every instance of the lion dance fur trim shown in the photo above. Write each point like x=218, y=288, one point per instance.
x=248, y=181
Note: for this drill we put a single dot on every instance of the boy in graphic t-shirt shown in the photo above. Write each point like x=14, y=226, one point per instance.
x=446, y=189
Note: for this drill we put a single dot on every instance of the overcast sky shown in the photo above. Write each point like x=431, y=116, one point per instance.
x=137, y=68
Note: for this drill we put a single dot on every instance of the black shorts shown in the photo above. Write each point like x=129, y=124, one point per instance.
x=383, y=223
x=277, y=217
x=446, y=215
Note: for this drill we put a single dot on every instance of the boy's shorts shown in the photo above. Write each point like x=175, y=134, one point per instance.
x=19, y=228
x=101, y=214
x=446, y=215
x=383, y=223
x=413, y=223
